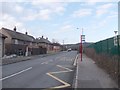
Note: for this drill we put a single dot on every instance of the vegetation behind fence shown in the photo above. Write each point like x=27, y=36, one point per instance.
x=106, y=54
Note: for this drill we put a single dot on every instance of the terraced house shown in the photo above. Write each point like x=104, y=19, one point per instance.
x=2, y=46
x=18, y=43
x=44, y=43
x=24, y=44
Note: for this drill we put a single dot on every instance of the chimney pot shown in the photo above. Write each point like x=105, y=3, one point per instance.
x=14, y=29
x=26, y=33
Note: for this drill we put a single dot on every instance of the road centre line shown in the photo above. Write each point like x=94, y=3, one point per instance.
x=15, y=74
x=46, y=62
x=58, y=72
x=65, y=68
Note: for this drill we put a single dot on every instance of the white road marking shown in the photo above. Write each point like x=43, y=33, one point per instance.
x=65, y=68
x=59, y=72
x=75, y=62
x=63, y=82
x=15, y=74
x=62, y=86
x=46, y=62
x=76, y=78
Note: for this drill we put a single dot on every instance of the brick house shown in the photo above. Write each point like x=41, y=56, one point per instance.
x=17, y=43
x=44, y=43
x=2, y=45
x=57, y=47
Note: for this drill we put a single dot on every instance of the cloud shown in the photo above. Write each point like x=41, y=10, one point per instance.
x=113, y=14
x=11, y=8
x=46, y=1
x=18, y=9
x=33, y=10
x=98, y=0
x=82, y=13
x=44, y=11
x=103, y=9
x=10, y=22
x=64, y=29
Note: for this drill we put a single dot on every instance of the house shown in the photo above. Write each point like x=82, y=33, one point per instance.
x=17, y=43
x=57, y=47
x=44, y=43
x=2, y=45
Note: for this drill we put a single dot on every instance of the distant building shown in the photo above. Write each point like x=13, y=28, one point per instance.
x=57, y=47
x=2, y=45
x=44, y=43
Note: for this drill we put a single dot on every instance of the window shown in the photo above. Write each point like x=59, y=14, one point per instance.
x=16, y=41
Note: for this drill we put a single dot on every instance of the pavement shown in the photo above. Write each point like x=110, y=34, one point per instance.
x=6, y=61
x=53, y=71
x=89, y=75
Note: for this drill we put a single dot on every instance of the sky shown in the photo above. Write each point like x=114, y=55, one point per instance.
x=62, y=21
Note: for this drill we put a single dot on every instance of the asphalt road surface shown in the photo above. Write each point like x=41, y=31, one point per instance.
x=55, y=71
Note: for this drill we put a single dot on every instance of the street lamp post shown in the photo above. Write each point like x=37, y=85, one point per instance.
x=81, y=48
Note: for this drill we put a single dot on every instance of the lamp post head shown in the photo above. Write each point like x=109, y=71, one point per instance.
x=115, y=32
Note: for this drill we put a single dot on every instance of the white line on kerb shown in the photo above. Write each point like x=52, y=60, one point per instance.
x=75, y=61
x=15, y=74
x=76, y=78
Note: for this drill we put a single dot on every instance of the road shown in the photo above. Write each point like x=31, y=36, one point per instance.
x=55, y=71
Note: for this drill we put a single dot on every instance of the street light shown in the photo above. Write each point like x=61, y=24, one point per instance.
x=115, y=38
x=82, y=38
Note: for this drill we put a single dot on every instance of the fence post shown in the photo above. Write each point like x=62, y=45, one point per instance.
x=107, y=46
x=101, y=46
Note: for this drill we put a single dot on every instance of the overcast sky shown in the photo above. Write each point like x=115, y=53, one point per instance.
x=60, y=20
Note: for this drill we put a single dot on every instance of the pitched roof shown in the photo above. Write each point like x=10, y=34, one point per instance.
x=43, y=40
x=56, y=44
x=2, y=35
x=18, y=35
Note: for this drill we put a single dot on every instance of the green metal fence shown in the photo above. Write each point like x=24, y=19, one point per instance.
x=108, y=46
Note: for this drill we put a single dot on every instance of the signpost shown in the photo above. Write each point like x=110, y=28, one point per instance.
x=82, y=39
x=81, y=46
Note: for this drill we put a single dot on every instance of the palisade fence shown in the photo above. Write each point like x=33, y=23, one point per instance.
x=106, y=54
x=109, y=46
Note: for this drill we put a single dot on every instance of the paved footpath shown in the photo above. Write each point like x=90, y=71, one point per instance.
x=23, y=58
x=89, y=75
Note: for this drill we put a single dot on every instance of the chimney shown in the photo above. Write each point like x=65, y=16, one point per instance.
x=46, y=38
x=26, y=33
x=42, y=36
x=14, y=29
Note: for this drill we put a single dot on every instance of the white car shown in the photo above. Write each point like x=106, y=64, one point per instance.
x=69, y=50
